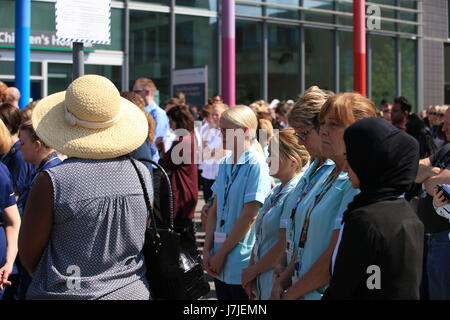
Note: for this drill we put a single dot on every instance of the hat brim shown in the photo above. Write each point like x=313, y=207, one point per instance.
x=123, y=137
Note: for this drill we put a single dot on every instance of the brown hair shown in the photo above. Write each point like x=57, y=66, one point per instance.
x=28, y=126
x=140, y=103
x=11, y=117
x=3, y=88
x=182, y=117
x=347, y=108
x=290, y=148
x=206, y=111
x=259, y=106
x=26, y=112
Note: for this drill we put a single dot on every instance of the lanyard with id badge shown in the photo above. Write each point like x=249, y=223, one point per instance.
x=220, y=237
x=307, y=188
x=304, y=234
x=271, y=204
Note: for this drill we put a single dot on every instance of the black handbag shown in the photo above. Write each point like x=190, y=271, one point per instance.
x=173, y=273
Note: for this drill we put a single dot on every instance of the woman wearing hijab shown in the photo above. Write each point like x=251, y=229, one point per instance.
x=85, y=219
x=381, y=242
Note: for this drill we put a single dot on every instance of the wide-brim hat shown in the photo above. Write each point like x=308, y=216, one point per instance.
x=90, y=120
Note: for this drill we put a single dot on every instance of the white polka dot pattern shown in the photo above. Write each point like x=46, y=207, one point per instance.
x=99, y=227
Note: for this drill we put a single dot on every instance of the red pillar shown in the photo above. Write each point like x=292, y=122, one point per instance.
x=228, y=69
x=359, y=46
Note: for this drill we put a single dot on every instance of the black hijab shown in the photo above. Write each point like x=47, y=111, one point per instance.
x=384, y=158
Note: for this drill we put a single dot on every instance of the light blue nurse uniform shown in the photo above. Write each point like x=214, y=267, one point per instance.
x=252, y=183
x=268, y=232
x=325, y=218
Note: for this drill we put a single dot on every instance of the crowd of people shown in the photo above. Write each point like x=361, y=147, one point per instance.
x=325, y=197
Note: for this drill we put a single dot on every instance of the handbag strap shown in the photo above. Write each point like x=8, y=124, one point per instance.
x=166, y=177
x=147, y=199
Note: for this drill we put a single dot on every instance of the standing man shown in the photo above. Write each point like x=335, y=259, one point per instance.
x=403, y=119
x=386, y=108
x=433, y=171
x=13, y=96
x=146, y=89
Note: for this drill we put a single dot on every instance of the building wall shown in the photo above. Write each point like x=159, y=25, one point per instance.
x=435, y=31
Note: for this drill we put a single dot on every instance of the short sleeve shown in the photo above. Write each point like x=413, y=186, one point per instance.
x=258, y=185
x=348, y=196
x=7, y=196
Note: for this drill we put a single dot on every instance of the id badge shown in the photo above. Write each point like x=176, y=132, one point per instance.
x=289, y=248
x=220, y=237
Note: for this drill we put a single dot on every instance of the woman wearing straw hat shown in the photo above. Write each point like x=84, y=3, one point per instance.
x=85, y=220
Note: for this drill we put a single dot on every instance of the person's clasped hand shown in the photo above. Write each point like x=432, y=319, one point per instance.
x=5, y=271
x=439, y=199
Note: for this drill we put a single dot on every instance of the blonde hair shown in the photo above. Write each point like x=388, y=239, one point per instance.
x=259, y=106
x=221, y=106
x=347, y=108
x=290, y=148
x=5, y=138
x=242, y=116
x=306, y=109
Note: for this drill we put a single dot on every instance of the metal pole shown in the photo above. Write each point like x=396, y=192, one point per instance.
x=126, y=48
x=22, y=50
x=228, y=52
x=78, y=60
x=420, y=60
x=359, y=46
x=172, y=44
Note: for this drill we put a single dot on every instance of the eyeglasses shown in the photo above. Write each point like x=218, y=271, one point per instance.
x=303, y=135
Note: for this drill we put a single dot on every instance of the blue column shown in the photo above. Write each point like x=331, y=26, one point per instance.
x=22, y=50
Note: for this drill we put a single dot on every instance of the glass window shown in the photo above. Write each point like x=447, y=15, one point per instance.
x=346, y=61
x=319, y=48
x=113, y=73
x=283, y=62
x=318, y=16
x=383, y=68
x=196, y=46
x=166, y=2
x=59, y=77
x=150, y=49
x=7, y=68
x=204, y=4
x=447, y=74
x=409, y=70
x=7, y=12
x=248, y=62
x=285, y=13
x=249, y=10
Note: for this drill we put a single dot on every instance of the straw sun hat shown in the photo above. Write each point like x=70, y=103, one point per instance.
x=90, y=120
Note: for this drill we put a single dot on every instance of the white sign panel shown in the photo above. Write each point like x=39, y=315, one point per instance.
x=188, y=76
x=87, y=21
x=193, y=83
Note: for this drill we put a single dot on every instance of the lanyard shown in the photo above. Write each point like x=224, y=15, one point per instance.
x=304, y=234
x=50, y=159
x=307, y=188
x=228, y=185
x=272, y=203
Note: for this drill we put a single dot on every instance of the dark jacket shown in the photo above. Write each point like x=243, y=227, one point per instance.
x=386, y=234
x=381, y=249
